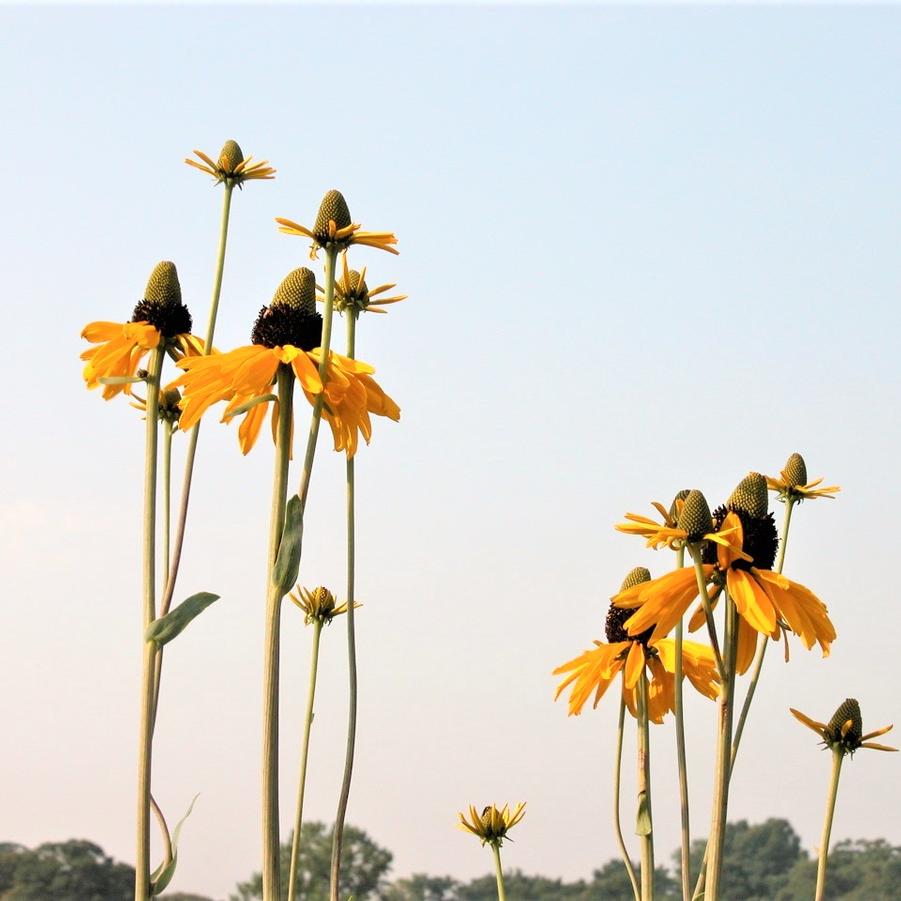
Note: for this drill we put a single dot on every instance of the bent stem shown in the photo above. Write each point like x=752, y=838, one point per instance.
x=837, y=758
x=498, y=871
x=271, y=876
x=763, y=640
x=617, y=770
x=645, y=823
x=685, y=857
x=304, y=750
x=149, y=650
x=716, y=840
x=171, y=566
x=338, y=832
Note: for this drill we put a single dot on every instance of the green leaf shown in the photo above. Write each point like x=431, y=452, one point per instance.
x=165, y=628
x=287, y=563
x=162, y=875
x=643, y=820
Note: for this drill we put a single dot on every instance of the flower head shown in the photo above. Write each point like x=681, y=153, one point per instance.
x=286, y=333
x=793, y=486
x=160, y=317
x=353, y=295
x=844, y=732
x=232, y=166
x=492, y=824
x=333, y=228
x=318, y=605
x=766, y=601
x=594, y=670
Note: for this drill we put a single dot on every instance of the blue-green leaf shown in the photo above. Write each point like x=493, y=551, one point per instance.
x=162, y=875
x=287, y=563
x=165, y=628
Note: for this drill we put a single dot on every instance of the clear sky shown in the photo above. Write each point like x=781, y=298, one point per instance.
x=646, y=249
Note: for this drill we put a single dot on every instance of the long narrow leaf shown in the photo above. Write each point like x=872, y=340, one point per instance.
x=165, y=628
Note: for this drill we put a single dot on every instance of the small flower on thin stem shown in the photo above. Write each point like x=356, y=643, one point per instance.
x=318, y=605
x=232, y=167
x=792, y=484
x=160, y=317
x=333, y=228
x=352, y=293
x=492, y=824
x=844, y=732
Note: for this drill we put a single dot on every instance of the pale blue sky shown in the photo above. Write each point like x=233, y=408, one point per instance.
x=646, y=249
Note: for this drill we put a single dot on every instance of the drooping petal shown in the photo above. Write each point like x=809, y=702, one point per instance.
x=751, y=601
x=634, y=664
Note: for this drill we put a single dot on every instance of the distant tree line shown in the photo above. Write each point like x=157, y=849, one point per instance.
x=764, y=862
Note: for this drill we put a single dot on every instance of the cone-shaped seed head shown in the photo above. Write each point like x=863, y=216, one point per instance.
x=297, y=291
x=695, y=518
x=231, y=156
x=635, y=577
x=750, y=496
x=322, y=601
x=674, y=506
x=795, y=471
x=333, y=206
x=163, y=288
x=356, y=285
x=848, y=710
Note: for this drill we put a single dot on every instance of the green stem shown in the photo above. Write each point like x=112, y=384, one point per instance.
x=498, y=872
x=617, y=770
x=763, y=640
x=271, y=876
x=646, y=832
x=304, y=751
x=344, y=795
x=716, y=840
x=680, y=754
x=167, y=485
x=145, y=743
x=171, y=566
x=708, y=610
x=837, y=758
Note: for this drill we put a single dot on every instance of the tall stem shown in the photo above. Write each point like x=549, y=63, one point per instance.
x=171, y=566
x=344, y=795
x=716, y=840
x=145, y=743
x=274, y=596
x=695, y=553
x=837, y=758
x=763, y=640
x=685, y=857
x=644, y=791
x=304, y=750
x=167, y=492
x=498, y=872
x=617, y=770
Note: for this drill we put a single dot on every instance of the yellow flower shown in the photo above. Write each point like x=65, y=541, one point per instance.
x=159, y=317
x=594, y=670
x=844, y=732
x=318, y=604
x=766, y=601
x=334, y=229
x=792, y=483
x=687, y=520
x=352, y=293
x=492, y=824
x=232, y=165
x=286, y=333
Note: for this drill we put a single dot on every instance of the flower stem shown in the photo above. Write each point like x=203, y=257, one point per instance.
x=763, y=640
x=499, y=873
x=167, y=485
x=171, y=566
x=716, y=839
x=646, y=832
x=685, y=848
x=304, y=750
x=837, y=758
x=708, y=610
x=274, y=596
x=627, y=861
x=338, y=832
x=149, y=650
